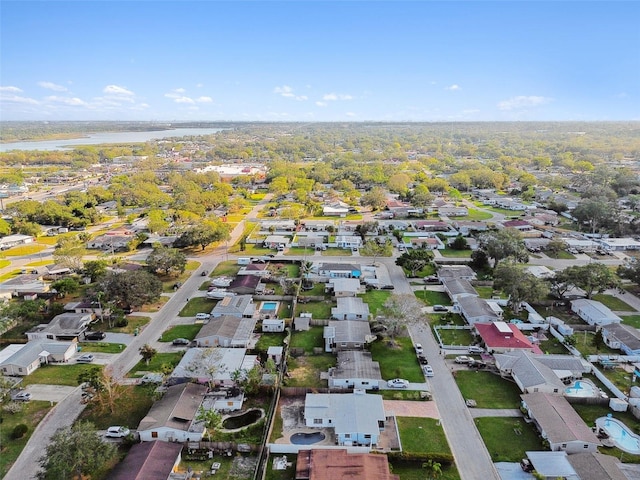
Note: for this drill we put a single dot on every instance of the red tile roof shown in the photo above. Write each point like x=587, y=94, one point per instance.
x=340, y=465
x=495, y=339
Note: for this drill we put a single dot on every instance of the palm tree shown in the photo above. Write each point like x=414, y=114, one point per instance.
x=147, y=352
x=433, y=469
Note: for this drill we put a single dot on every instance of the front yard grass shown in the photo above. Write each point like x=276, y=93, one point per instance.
x=229, y=268
x=133, y=322
x=130, y=408
x=159, y=363
x=336, y=252
x=31, y=414
x=413, y=471
x=397, y=361
x=102, y=347
x=431, y=297
x=449, y=252
x=508, y=438
x=487, y=389
x=477, y=215
x=180, y=331
x=614, y=303
x=561, y=255
x=631, y=320
x=58, y=374
x=422, y=436
x=375, y=299
x=455, y=336
x=197, y=305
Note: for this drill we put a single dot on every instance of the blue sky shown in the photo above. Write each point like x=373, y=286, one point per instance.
x=320, y=60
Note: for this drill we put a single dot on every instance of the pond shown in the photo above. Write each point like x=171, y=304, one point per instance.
x=307, y=438
x=242, y=420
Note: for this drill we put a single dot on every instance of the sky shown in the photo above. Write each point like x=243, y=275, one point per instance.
x=309, y=60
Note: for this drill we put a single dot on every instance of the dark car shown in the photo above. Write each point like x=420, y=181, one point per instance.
x=387, y=287
x=440, y=308
x=181, y=341
x=423, y=360
x=94, y=335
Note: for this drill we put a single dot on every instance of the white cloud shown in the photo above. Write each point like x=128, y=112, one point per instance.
x=4, y=98
x=332, y=97
x=52, y=86
x=204, y=99
x=522, y=101
x=179, y=90
x=72, y=101
x=321, y=104
x=118, y=91
x=351, y=114
x=287, y=92
x=452, y=88
x=188, y=100
x=10, y=89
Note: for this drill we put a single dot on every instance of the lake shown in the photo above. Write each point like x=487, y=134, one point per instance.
x=103, y=138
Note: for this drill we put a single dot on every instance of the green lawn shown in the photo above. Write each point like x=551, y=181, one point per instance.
x=24, y=250
x=102, y=347
x=414, y=471
x=561, y=255
x=553, y=346
x=336, y=252
x=431, y=297
x=455, y=337
x=632, y=320
x=317, y=309
x=267, y=340
x=158, y=363
x=449, y=252
x=375, y=299
x=614, y=303
x=488, y=389
x=308, y=340
x=398, y=361
x=228, y=268
x=130, y=408
x=198, y=305
x=305, y=371
x=476, y=215
x=5, y=263
x=31, y=414
x=316, y=291
x=488, y=292
x=58, y=374
x=180, y=331
x=446, y=319
x=584, y=344
x=422, y=436
x=133, y=322
x=508, y=438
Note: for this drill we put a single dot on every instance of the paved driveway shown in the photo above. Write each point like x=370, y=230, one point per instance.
x=405, y=408
x=49, y=393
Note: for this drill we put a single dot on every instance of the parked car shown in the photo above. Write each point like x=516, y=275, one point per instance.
x=117, y=432
x=94, y=335
x=151, y=377
x=387, y=287
x=477, y=364
x=203, y=316
x=440, y=308
x=463, y=359
x=22, y=397
x=181, y=341
x=86, y=358
x=428, y=371
x=398, y=383
x=431, y=279
x=419, y=349
x=423, y=360
x=475, y=349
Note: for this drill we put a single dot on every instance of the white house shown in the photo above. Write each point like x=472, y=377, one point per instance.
x=273, y=325
x=350, y=308
x=357, y=418
x=344, y=287
x=355, y=369
x=22, y=359
x=594, y=312
x=215, y=366
x=346, y=335
x=237, y=306
x=475, y=310
x=172, y=418
x=66, y=326
x=226, y=331
x=9, y=241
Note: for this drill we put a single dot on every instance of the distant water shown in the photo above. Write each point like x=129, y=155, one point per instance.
x=101, y=138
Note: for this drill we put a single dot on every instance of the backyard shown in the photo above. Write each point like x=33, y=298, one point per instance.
x=487, y=389
x=508, y=438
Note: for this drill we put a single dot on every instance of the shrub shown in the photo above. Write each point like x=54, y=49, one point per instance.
x=19, y=431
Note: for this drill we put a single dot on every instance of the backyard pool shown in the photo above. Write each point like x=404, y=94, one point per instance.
x=269, y=307
x=619, y=434
x=582, y=388
x=307, y=438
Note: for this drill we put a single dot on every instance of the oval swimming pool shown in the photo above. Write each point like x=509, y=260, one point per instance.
x=582, y=388
x=307, y=438
x=620, y=434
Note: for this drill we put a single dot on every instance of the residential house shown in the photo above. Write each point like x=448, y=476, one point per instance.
x=317, y=225
x=149, y=460
x=94, y=308
x=596, y=466
x=475, y=310
x=273, y=325
x=172, y=418
x=429, y=243
x=619, y=244
x=344, y=287
x=594, y=312
x=540, y=271
x=276, y=241
x=335, y=210
x=552, y=465
x=226, y=331
x=466, y=227
x=350, y=308
x=453, y=211
x=501, y=337
x=431, y=226
x=22, y=359
x=463, y=272
x=539, y=373
x=278, y=226
x=258, y=270
x=457, y=288
x=244, y=284
x=215, y=366
x=9, y=241
x=348, y=241
x=66, y=326
x=622, y=337
x=339, y=270
x=321, y=464
x=23, y=284
x=520, y=225
x=559, y=424
x=346, y=335
x=357, y=418
x=241, y=306
x=355, y=369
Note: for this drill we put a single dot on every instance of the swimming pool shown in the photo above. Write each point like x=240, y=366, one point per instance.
x=307, y=438
x=269, y=307
x=620, y=434
x=582, y=388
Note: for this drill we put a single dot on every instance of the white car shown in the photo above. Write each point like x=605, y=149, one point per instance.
x=428, y=371
x=117, y=432
x=203, y=316
x=22, y=397
x=463, y=359
x=398, y=383
x=419, y=349
x=475, y=349
x=86, y=358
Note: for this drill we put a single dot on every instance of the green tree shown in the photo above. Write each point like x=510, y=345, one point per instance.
x=505, y=243
x=598, y=340
x=147, y=352
x=167, y=261
x=203, y=235
x=376, y=198
x=94, y=269
x=415, y=260
x=593, y=212
x=593, y=278
x=459, y=243
x=432, y=469
x=76, y=452
x=130, y=288
x=521, y=286
x=69, y=252
x=371, y=248
x=65, y=285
